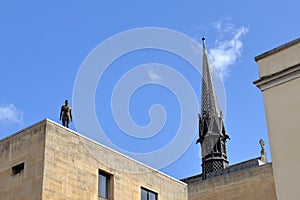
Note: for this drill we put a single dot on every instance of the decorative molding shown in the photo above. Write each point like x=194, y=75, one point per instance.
x=278, y=78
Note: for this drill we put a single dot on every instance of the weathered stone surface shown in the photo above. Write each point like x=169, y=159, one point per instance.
x=72, y=163
x=26, y=146
x=279, y=82
x=253, y=183
x=60, y=164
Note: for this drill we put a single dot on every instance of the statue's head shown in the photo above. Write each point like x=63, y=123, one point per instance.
x=66, y=101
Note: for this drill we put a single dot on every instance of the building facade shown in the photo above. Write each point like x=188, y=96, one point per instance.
x=247, y=180
x=279, y=81
x=48, y=161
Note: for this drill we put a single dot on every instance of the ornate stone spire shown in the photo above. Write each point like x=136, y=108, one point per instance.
x=212, y=134
x=209, y=101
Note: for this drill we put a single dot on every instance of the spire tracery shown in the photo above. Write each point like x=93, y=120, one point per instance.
x=212, y=134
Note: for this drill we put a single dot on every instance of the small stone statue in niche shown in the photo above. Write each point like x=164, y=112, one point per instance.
x=263, y=155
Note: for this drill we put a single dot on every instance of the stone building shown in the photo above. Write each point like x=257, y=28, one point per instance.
x=48, y=161
x=279, y=81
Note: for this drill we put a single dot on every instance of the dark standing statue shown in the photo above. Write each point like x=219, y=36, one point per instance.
x=66, y=114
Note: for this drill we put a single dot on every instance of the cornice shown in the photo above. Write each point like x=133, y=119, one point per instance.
x=278, y=78
x=277, y=49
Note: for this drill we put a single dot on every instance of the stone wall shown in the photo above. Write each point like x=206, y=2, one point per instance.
x=26, y=147
x=280, y=82
x=61, y=164
x=253, y=183
x=71, y=170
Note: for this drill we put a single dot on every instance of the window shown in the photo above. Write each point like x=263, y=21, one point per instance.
x=17, y=169
x=148, y=194
x=103, y=185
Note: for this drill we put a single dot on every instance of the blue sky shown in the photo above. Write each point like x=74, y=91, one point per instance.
x=43, y=45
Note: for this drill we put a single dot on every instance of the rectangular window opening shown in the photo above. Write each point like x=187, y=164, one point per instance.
x=147, y=194
x=104, y=185
x=17, y=169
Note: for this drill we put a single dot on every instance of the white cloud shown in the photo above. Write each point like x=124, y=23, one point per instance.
x=223, y=27
x=227, y=50
x=10, y=114
x=153, y=76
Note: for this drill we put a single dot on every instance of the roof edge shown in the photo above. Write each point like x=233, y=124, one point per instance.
x=238, y=165
x=49, y=121
x=25, y=128
x=115, y=151
x=277, y=49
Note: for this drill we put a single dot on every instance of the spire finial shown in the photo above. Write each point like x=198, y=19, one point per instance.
x=203, y=41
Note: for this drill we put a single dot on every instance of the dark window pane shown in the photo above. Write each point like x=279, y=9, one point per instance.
x=17, y=169
x=152, y=196
x=144, y=194
x=148, y=194
x=103, y=185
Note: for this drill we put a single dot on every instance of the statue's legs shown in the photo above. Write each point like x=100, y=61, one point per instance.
x=66, y=122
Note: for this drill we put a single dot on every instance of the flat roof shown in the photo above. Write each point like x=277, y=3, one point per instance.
x=50, y=122
x=248, y=164
x=277, y=49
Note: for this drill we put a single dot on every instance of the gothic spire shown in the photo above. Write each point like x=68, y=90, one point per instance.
x=212, y=134
x=209, y=101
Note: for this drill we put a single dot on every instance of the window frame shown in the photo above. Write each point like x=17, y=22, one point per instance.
x=108, y=185
x=148, y=193
x=18, y=169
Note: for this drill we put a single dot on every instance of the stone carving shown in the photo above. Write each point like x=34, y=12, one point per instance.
x=66, y=114
x=263, y=156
